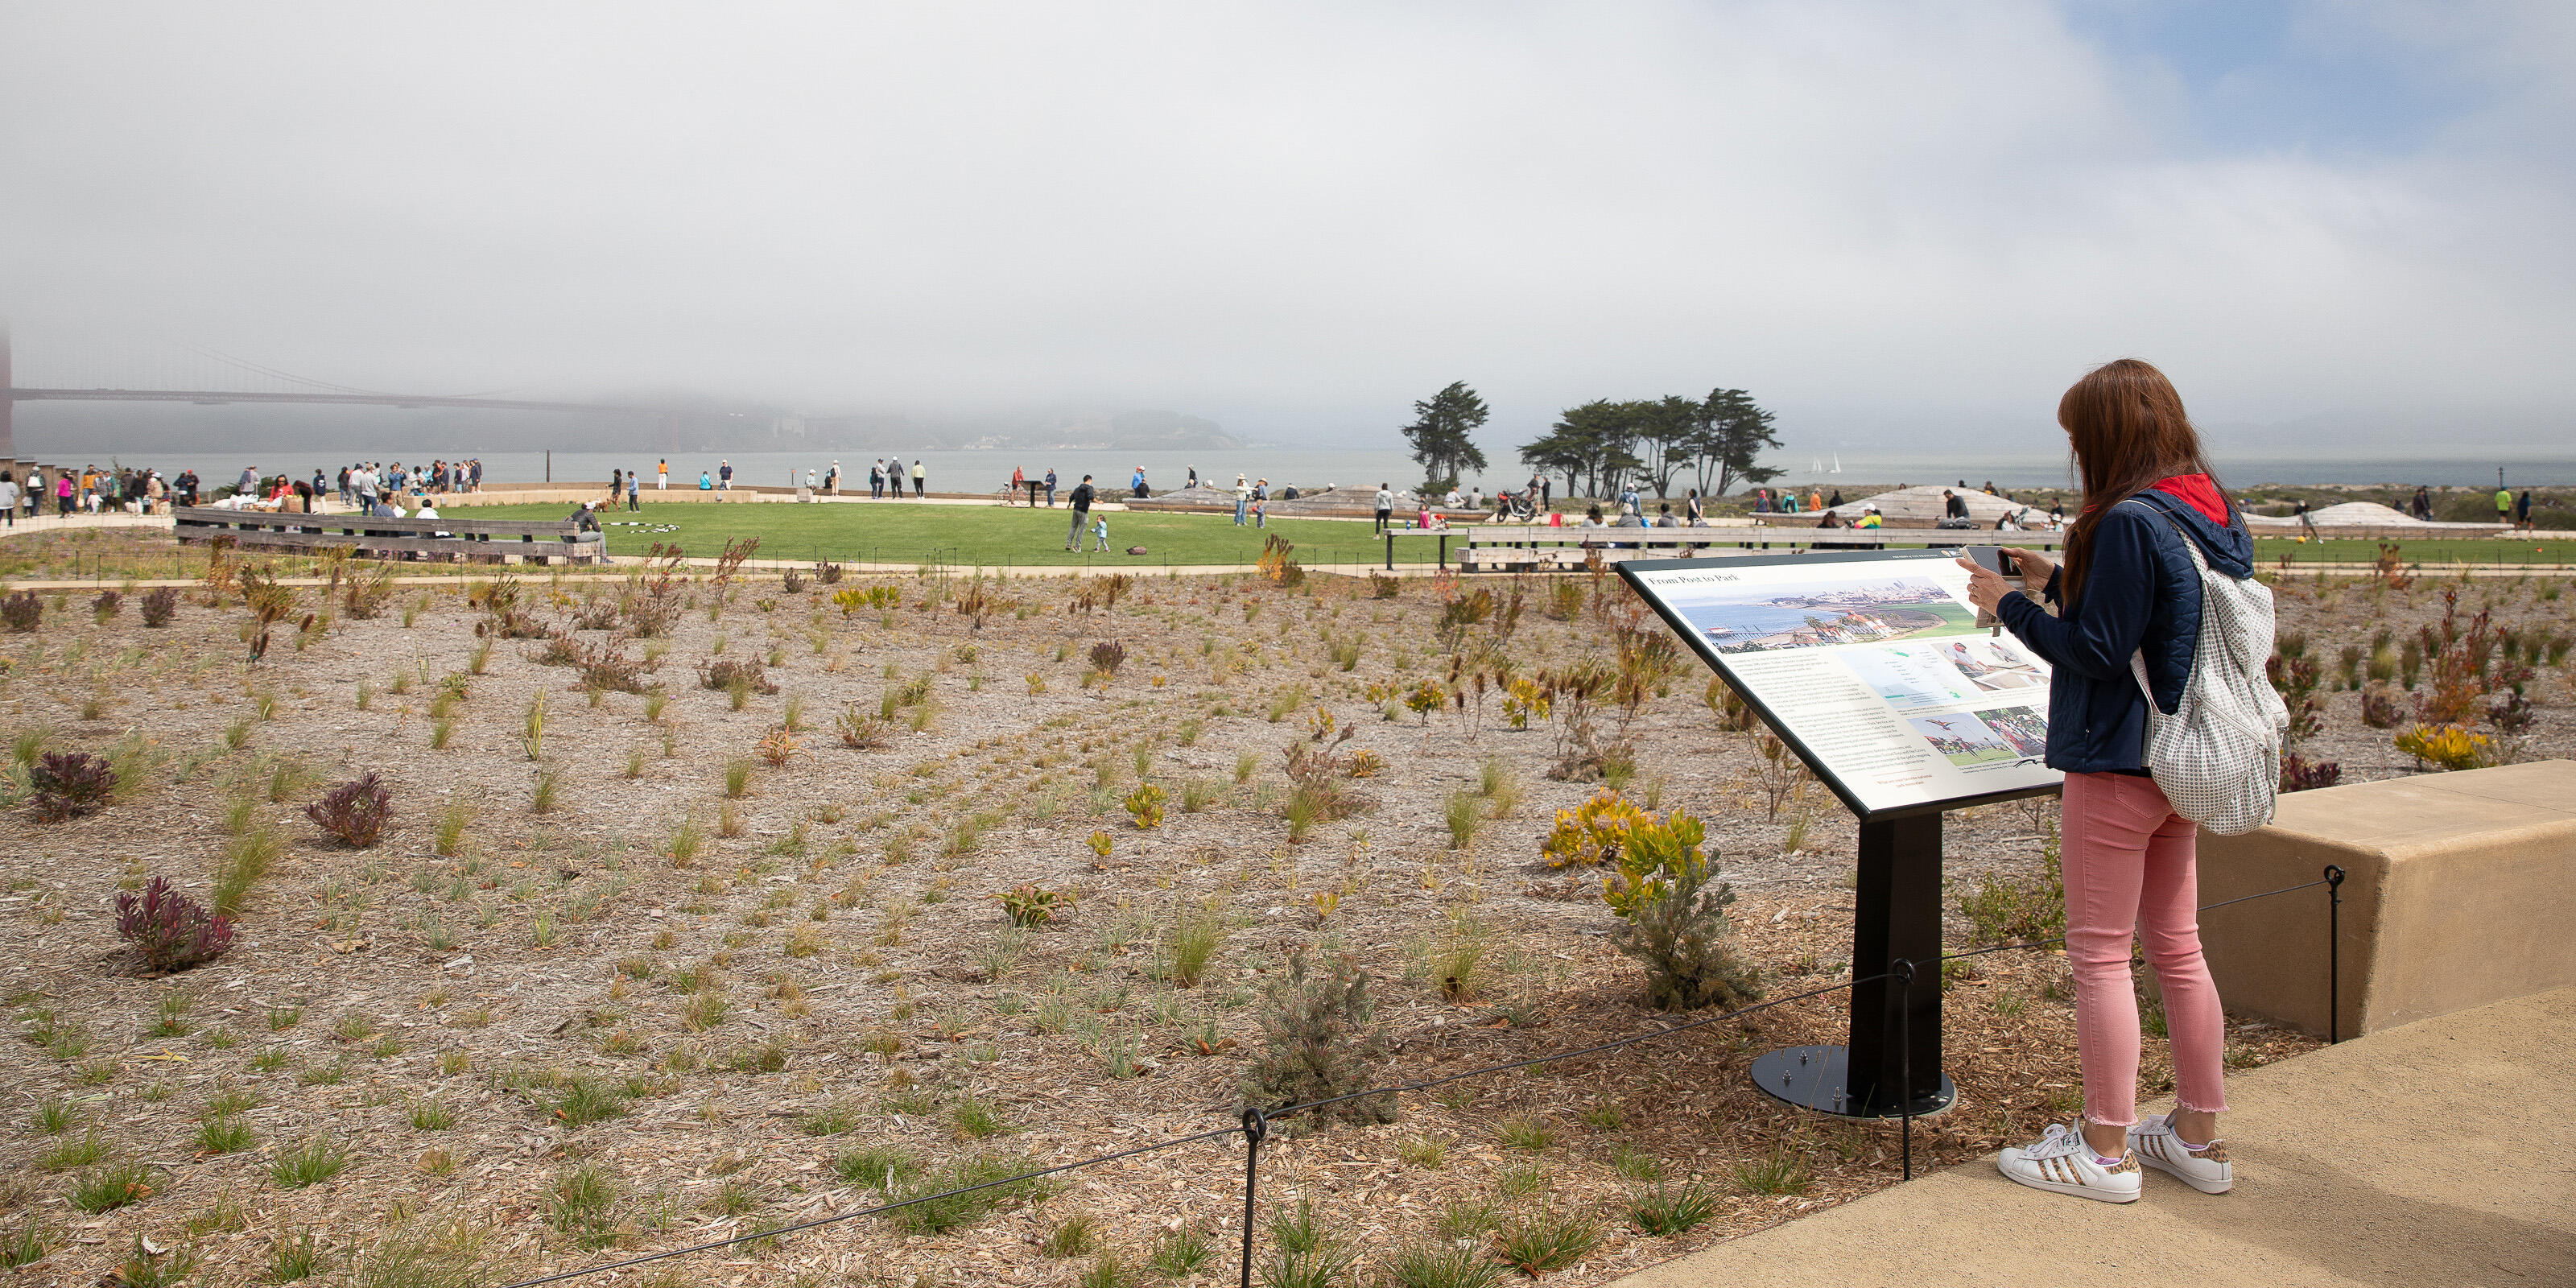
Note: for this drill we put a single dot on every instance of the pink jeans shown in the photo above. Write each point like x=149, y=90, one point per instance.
x=2129, y=865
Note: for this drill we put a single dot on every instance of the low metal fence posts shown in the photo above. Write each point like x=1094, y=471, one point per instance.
x=1253, y=1124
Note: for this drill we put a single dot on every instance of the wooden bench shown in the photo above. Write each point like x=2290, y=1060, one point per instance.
x=492, y=540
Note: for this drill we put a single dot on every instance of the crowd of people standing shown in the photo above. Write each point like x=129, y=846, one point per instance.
x=373, y=486
x=91, y=490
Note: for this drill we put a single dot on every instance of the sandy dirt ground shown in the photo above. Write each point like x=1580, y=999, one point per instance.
x=586, y=999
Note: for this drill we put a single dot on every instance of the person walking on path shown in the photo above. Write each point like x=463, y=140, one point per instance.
x=635, y=490
x=1019, y=484
x=1385, y=507
x=2504, y=505
x=920, y=477
x=663, y=477
x=2128, y=589
x=724, y=476
x=1081, y=498
x=2522, y=511
x=1242, y=499
x=1050, y=487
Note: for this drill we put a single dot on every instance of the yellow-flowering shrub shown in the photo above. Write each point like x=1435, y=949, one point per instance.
x=1656, y=857
x=1592, y=833
x=1146, y=805
x=2448, y=746
x=1525, y=700
x=1426, y=698
x=1672, y=916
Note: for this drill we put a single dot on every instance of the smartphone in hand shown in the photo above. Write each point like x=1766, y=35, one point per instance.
x=1994, y=560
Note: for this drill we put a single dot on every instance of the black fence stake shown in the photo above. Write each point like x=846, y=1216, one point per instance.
x=2334, y=954
x=1900, y=993
x=1255, y=1126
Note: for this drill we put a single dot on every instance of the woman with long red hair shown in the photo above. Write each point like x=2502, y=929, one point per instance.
x=2129, y=589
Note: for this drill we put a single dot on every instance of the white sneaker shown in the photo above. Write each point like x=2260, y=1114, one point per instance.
x=2062, y=1163
x=2205, y=1169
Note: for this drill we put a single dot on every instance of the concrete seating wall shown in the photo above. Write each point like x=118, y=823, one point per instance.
x=2460, y=891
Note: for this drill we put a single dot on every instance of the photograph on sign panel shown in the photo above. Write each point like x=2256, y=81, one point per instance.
x=2026, y=728
x=1964, y=738
x=1994, y=665
x=1754, y=619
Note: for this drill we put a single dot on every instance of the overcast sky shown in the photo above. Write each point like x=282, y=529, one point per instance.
x=1880, y=218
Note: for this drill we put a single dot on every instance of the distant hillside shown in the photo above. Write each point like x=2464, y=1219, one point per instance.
x=136, y=429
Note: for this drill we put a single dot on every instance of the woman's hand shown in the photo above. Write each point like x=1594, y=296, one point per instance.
x=2036, y=569
x=1986, y=587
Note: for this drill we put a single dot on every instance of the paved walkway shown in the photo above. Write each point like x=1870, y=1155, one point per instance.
x=2442, y=1152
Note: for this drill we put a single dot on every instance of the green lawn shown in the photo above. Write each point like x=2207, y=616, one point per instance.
x=978, y=535
x=2545, y=548
x=972, y=535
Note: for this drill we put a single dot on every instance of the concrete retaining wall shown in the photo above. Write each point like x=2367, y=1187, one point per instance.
x=2460, y=891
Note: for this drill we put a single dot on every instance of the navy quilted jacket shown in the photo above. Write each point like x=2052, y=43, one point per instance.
x=2140, y=593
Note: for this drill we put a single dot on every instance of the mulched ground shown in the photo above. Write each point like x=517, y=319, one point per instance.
x=434, y=1018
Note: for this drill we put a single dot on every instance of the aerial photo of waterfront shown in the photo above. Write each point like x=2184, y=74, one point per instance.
x=1754, y=620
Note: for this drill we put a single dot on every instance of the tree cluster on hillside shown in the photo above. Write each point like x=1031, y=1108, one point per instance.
x=1658, y=443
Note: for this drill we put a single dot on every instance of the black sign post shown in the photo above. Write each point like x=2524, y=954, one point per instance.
x=1891, y=1064
x=1894, y=1053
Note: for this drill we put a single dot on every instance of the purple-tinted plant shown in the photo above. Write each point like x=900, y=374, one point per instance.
x=2511, y=712
x=69, y=784
x=22, y=611
x=354, y=811
x=725, y=672
x=2379, y=707
x=108, y=603
x=2299, y=774
x=174, y=931
x=160, y=605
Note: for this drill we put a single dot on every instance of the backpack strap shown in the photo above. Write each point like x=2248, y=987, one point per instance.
x=2199, y=563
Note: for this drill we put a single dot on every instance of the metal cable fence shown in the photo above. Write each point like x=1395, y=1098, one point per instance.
x=1254, y=1123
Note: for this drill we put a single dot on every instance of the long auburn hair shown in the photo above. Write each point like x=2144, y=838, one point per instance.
x=2127, y=429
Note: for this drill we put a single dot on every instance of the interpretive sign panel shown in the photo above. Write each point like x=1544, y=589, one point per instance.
x=1872, y=667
